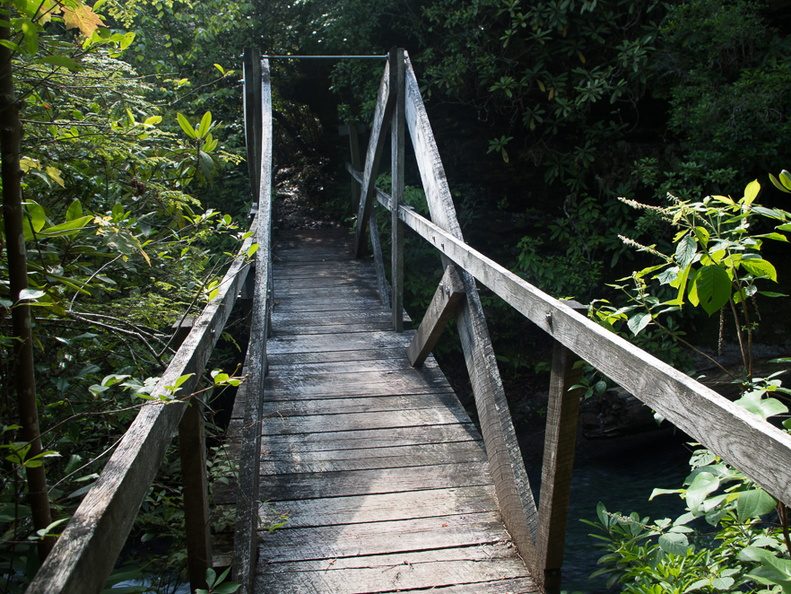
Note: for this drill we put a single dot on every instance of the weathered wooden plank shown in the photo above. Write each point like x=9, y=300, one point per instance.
x=507, y=586
x=442, y=308
x=290, y=425
x=300, y=544
x=510, y=477
x=376, y=458
x=356, y=342
x=366, y=482
x=333, y=317
x=301, y=287
x=294, y=329
x=306, y=358
x=423, y=455
x=344, y=284
x=352, y=365
x=364, y=404
x=384, y=105
x=87, y=549
x=397, y=141
x=319, y=302
x=494, y=551
x=404, y=572
x=192, y=452
x=559, y=446
x=352, y=384
x=374, y=438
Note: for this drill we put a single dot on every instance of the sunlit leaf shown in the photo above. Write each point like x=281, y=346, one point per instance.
x=80, y=16
x=760, y=268
x=186, y=126
x=751, y=192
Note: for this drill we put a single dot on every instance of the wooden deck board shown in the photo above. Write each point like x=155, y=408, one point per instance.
x=375, y=467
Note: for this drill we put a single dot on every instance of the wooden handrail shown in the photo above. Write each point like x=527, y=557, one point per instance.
x=86, y=551
x=250, y=394
x=722, y=426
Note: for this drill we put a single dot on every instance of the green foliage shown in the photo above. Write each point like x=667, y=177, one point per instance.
x=119, y=243
x=716, y=261
x=218, y=584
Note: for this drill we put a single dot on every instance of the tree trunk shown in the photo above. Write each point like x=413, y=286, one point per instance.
x=22, y=361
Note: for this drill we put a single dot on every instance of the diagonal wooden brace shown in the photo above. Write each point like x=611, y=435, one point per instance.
x=443, y=307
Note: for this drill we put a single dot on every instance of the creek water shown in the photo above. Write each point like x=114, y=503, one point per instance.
x=621, y=473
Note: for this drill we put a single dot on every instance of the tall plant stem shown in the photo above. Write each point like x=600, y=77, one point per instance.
x=22, y=370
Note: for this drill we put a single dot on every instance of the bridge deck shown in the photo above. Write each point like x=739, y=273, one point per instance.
x=376, y=466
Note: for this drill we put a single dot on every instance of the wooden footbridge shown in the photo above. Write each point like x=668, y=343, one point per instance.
x=350, y=440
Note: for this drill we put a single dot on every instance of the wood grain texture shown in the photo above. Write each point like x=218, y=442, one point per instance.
x=255, y=358
x=365, y=458
x=384, y=106
x=508, y=470
x=440, y=311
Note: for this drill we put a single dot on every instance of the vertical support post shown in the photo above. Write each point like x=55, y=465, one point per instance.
x=397, y=136
x=192, y=450
x=559, y=444
x=354, y=150
x=252, y=116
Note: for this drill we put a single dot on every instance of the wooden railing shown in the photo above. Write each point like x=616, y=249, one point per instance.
x=86, y=551
x=742, y=439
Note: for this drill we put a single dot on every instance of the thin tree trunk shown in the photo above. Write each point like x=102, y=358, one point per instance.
x=22, y=366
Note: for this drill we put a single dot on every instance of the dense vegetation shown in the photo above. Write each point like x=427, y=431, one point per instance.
x=133, y=182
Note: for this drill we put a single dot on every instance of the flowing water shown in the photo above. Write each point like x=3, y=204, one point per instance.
x=621, y=473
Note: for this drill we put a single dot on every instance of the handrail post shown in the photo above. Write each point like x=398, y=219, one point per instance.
x=558, y=464
x=192, y=451
x=398, y=136
x=252, y=116
x=354, y=150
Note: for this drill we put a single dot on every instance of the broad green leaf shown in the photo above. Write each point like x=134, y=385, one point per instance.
x=186, y=126
x=205, y=124
x=751, y=192
x=703, y=235
x=31, y=294
x=638, y=322
x=685, y=250
x=724, y=199
x=760, y=268
x=74, y=211
x=60, y=61
x=702, y=485
x=776, y=183
x=755, y=402
x=774, y=236
x=656, y=492
x=711, y=288
x=35, y=220
x=67, y=228
x=773, y=571
x=54, y=174
x=754, y=503
x=674, y=543
x=152, y=121
x=785, y=178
